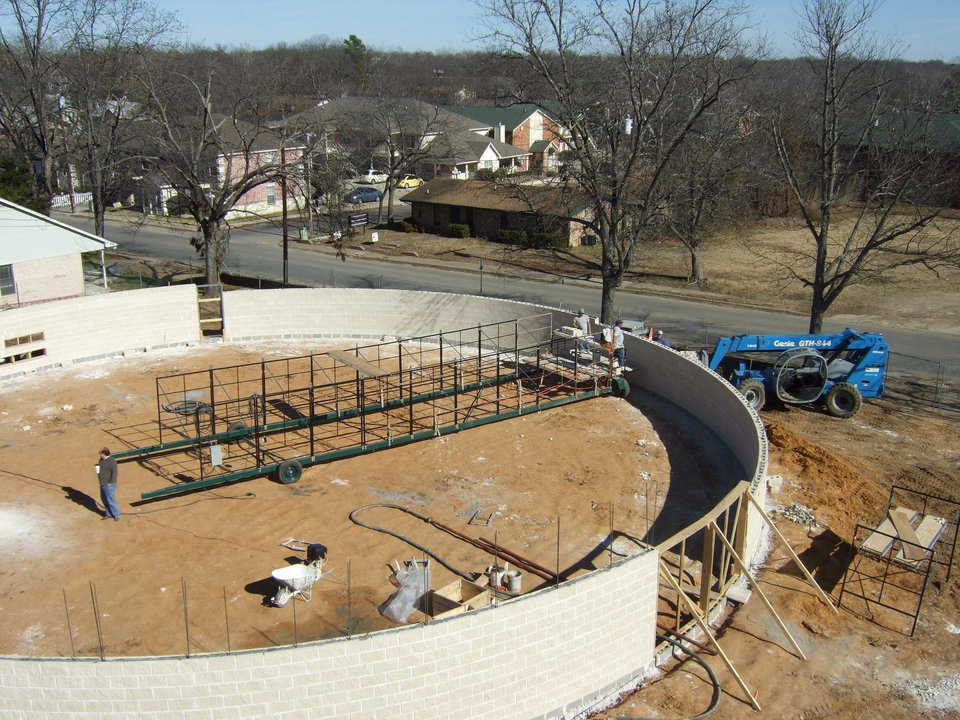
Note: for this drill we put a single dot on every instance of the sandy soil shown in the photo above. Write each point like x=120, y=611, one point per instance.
x=571, y=464
x=860, y=664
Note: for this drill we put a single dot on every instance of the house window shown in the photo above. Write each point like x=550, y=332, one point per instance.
x=271, y=194
x=7, y=286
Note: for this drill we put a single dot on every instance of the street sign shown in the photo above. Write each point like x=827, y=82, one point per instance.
x=359, y=219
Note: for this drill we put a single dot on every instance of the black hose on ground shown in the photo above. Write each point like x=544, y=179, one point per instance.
x=714, y=700
x=407, y=540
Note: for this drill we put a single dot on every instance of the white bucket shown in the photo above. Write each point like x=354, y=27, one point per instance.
x=512, y=580
x=495, y=576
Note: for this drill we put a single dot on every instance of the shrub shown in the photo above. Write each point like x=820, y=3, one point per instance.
x=486, y=174
x=513, y=237
x=406, y=227
x=458, y=230
x=543, y=241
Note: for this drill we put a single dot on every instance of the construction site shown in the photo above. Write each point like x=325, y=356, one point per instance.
x=457, y=504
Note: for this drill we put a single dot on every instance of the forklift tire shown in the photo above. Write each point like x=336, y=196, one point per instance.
x=754, y=393
x=288, y=472
x=843, y=400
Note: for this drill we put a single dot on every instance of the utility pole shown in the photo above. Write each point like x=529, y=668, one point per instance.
x=283, y=204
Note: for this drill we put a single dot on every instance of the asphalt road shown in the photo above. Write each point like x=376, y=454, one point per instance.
x=255, y=251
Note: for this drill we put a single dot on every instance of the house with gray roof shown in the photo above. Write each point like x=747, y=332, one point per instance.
x=523, y=125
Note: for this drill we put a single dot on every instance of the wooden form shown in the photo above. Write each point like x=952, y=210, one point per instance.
x=458, y=597
x=803, y=568
x=756, y=586
x=701, y=621
x=353, y=360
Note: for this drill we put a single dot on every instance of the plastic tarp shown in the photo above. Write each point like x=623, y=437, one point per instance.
x=413, y=583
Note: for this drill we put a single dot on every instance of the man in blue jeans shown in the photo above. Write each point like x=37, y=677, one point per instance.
x=619, y=353
x=107, y=470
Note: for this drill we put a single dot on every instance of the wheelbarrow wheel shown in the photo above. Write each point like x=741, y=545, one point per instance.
x=289, y=471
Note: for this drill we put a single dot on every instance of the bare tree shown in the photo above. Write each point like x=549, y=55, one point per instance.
x=30, y=40
x=630, y=81
x=713, y=176
x=209, y=158
x=857, y=146
x=397, y=132
x=107, y=43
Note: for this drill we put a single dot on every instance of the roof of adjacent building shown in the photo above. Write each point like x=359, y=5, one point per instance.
x=468, y=147
x=409, y=114
x=27, y=235
x=549, y=200
x=540, y=145
x=509, y=115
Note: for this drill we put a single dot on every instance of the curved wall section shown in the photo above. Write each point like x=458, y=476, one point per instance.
x=96, y=326
x=549, y=654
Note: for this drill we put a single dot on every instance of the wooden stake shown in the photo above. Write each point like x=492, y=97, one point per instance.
x=695, y=611
x=756, y=586
x=803, y=568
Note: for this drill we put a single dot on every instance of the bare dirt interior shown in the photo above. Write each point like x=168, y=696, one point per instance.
x=571, y=463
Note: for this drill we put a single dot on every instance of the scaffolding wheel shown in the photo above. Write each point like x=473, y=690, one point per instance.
x=621, y=388
x=289, y=471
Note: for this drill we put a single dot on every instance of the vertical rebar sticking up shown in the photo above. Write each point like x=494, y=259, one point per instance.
x=349, y=601
x=296, y=635
x=226, y=618
x=66, y=611
x=213, y=405
x=156, y=382
x=186, y=616
x=96, y=616
x=556, y=578
x=610, y=538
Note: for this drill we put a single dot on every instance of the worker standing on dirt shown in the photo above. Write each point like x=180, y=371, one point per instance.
x=107, y=472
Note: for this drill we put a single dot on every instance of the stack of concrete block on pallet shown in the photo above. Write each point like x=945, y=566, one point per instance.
x=557, y=649
x=95, y=326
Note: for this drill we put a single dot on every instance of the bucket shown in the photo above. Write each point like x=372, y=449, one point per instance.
x=495, y=576
x=512, y=580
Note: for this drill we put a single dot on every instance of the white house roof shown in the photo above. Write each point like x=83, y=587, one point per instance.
x=28, y=235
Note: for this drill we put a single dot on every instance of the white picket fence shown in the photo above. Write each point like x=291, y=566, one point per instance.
x=80, y=200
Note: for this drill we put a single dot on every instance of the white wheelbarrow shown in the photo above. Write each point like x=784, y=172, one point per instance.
x=295, y=581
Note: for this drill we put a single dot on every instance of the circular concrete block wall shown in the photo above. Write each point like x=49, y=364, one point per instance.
x=552, y=653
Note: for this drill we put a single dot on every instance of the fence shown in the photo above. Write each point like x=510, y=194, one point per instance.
x=80, y=201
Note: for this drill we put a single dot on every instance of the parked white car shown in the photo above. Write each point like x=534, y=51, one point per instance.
x=373, y=176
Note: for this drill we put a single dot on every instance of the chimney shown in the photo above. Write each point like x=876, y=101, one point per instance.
x=501, y=132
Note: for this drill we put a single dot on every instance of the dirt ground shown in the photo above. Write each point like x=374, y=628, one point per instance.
x=570, y=464
x=860, y=662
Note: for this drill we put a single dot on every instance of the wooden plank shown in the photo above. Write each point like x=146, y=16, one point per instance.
x=756, y=586
x=709, y=633
x=880, y=540
x=359, y=364
x=901, y=518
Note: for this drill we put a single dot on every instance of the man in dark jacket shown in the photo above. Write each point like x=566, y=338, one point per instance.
x=107, y=470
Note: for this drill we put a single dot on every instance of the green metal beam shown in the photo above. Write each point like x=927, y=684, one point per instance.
x=297, y=423
x=308, y=460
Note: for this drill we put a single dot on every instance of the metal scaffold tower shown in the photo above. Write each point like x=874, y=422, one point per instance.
x=233, y=423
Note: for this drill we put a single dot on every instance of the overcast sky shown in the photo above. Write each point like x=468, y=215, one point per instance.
x=924, y=29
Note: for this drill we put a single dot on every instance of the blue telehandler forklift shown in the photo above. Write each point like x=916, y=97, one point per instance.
x=837, y=370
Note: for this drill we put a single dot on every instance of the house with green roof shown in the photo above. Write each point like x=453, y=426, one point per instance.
x=523, y=125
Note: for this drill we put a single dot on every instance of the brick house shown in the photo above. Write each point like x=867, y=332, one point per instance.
x=489, y=208
x=40, y=258
x=523, y=125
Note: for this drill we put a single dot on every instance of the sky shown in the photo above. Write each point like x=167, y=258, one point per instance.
x=922, y=29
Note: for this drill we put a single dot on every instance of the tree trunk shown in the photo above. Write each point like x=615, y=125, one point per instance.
x=817, y=309
x=209, y=250
x=611, y=281
x=696, y=268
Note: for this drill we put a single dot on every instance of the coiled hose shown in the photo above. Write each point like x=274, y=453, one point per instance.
x=407, y=540
x=714, y=700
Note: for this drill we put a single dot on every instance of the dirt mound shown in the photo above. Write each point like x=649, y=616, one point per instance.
x=834, y=487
